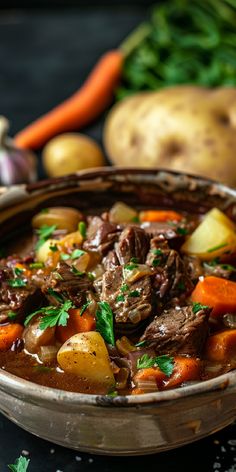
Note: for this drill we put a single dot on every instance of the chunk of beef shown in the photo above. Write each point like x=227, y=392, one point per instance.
x=133, y=242
x=170, y=278
x=101, y=235
x=20, y=300
x=193, y=267
x=129, y=303
x=225, y=271
x=111, y=260
x=67, y=284
x=160, y=228
x=178, y=331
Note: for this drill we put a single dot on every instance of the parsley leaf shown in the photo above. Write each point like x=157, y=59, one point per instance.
x=104, y=323
x=182, y=231
x=124, y=288
x=21, y=465
x=135, y=219
x=120, y=298
x=134, y=293
x=165, y=363
x=53, y=248
x=134, y=260
x=84, y=307
x=82, y=229
x=131, y=266
x=76, y=271
x=44, y=233
x=156, y=262
x=198, y=306
x=36, y=265
x=77, y=253
x=56, y=295
x=64, y=256
x=17, y=283
x=52, y=315
x=18, y=271
x=157, y=252
x=12, y=315
x=215, y=248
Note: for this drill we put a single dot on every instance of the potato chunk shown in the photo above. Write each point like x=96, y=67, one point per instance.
x=214, y=236
x=86, y=355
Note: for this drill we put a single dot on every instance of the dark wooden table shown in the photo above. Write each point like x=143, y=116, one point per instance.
x=44, y=56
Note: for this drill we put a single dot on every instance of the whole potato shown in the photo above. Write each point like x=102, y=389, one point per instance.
x=71, y=152
x=183, y=128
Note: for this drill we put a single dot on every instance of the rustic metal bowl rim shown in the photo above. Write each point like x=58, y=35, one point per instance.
x=14, y=385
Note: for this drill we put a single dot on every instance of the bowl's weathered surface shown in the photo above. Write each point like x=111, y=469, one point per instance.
x=122, y=425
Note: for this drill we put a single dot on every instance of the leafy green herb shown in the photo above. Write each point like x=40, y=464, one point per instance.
x=52, y=316
x=182, y=231
x=198, y=306
x=135, y=219
x=104, y=323
x=84, y=307
x=76, y=271
x=21, y=465
x=124, y=288
x=156, y=262
x=82, y=229
x=216, y=262
x=77, y=253
x=56, y=295
x=112, y=393
x=181, y=285
x=157, y=252
x=91, y=276
x=44, y=233
x=141, y=343
x=134, y=260
x=134, y=293
x=17, y=283
x=165, y=363
x=131, y=266
x=36, y=265
x=18, y=271
x=215, y=248
x=12, y=315
x=53, y=248
x=44, y=211
x=120, y=298
x=64, y=257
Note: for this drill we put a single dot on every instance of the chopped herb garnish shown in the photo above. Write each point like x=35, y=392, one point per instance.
x=64, y=256
x=112, y=393
x=157, y=252
x=131, y=266
x=53, y=248
x=82, y=229
x=57, y=275
x=76, y=271
x=104, y=324
x=181, y=285
x=124, y=288
x=215, y=248
x=141, y=344
x=44, y=233
x=21, y=465
x=18, y=271
x=77, y=253
x=12, y=315
x=36, y=265
x=156, y=262
x=52, y=315
x=56, y=295
x=134, y=260
x=198, y=306
x=91, y=276
x=165, y=363
x=44, y=210
x=135, y=219
x=182, y=231
x=134, y=293
x=216, y=262
x=84, y=307
x=120, y=298
x=17, y=283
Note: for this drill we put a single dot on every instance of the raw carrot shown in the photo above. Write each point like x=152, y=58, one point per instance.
x=217, y=293
x=160, y=215
x=77, y=323
x=8, y=334
x=185, y=369
x=221, y=346
x=81, y=108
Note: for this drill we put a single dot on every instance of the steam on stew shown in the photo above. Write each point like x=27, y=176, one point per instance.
x=125, y=302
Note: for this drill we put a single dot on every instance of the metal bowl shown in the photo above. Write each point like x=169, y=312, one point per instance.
x=128, y=425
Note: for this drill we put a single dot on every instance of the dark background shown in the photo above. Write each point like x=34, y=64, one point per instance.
x=45, y=54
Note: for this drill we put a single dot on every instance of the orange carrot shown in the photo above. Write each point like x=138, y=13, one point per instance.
x=160, y=215
x=221, y=346
x=185, y=369
x=77, y=323
x=81, y=108
x=8, y=334
x=217, y=293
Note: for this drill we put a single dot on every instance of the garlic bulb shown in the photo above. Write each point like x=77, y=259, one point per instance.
x=16, y=165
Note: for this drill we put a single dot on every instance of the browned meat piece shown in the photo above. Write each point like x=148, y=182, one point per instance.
x=170, y=277
x=101, y=235
x=110, y=261
x=67, y=284
x=193, y=267
x=178, y=331
x=129, y=303
x=21, y=300
x=133, y=242
x=225, y=271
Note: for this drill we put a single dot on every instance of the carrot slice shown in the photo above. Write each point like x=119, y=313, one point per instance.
x=77, y=323
x=160, y=215
x=81, y=108
x=8, y=334
x=217, y=293
x=185, y=369
x=150, y=373
x=221, y=346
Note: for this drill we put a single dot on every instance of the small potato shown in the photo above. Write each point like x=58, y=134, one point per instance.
x=71, y=152
x=86, y=355
x=34, y=337
x=213, y=237
x=122, y=213
x=62, y=217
